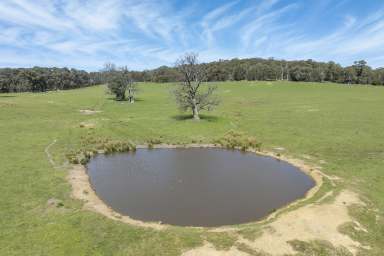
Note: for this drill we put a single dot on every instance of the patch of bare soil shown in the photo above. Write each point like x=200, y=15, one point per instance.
x=88, y=125
x=7, y=104
x=310, y=222
x=88, y=111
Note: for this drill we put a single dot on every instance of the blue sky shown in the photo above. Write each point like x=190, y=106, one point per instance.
x=146, y=34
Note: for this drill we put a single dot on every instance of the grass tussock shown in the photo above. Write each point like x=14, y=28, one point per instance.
x=221, y=241
x=245, y=248
x=319, y=247
x=153, y=141
x=91, y=146
x=239, y=140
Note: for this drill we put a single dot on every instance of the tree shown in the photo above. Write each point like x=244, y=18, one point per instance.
x=318, y=75
x=349, y=75
x=119, y=81
x=40, y=79
x=189, y=93
x=334, y=72
x=132, y=89
x=362, y=71
x=378, y=77
x=216, y=72
x=239, y=73
x=165, y=74
x=300, y=73
x=252, y=73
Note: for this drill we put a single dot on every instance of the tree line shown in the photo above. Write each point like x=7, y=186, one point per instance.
x=271, y=70
x=39, y=79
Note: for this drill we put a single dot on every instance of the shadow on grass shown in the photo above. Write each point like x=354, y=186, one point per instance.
x=126, y=100
x=7, y=96
x=183, y=117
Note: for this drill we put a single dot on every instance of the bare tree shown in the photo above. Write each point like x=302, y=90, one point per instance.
x=193, y=93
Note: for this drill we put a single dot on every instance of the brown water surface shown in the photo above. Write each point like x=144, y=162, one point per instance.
x=195, y=186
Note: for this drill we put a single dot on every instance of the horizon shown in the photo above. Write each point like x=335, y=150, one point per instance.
x=149, y=34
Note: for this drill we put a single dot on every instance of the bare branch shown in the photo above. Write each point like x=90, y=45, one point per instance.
x=189, y=94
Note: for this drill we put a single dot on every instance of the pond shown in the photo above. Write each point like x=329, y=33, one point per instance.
x=195, y=186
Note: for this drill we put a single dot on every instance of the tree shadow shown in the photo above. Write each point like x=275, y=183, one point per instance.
x=126, y=100
x=204, y=117
x=7, y=96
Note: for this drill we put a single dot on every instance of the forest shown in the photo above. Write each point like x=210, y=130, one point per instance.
x=271, y=70
x=39, y=79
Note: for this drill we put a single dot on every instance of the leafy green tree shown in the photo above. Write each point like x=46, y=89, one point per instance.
x=216, y=72
x=165, y=75
x=239, y=73
x=350, y=75
x=119, y=81
x=252, y=73
x=378, y=77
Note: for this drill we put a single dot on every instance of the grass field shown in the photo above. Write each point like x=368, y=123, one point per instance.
x=338, y=127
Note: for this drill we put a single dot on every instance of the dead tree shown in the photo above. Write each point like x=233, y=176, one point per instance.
x=193, y=92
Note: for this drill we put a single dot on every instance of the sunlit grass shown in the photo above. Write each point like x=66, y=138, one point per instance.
x=338, y=127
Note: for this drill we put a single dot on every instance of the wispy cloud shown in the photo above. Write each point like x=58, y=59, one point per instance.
x=355, y=38
x=148, y=33
x=266, y=23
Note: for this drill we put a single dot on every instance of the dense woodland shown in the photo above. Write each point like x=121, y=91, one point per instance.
x=271, y=70
x=39, y=79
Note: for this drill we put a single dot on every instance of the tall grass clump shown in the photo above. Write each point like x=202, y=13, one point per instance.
x=239, y=140
x=91, y=146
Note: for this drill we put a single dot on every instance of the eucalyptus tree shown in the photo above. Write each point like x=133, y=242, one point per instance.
x=193, y=93
x=131, y=89
x=119, y=82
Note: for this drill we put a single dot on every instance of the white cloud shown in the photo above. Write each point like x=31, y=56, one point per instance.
x=265, y=23
x=148, y=33
x=357, y=38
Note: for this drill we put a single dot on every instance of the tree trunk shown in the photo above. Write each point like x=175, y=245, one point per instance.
x=121, y=96
x=195, y=111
